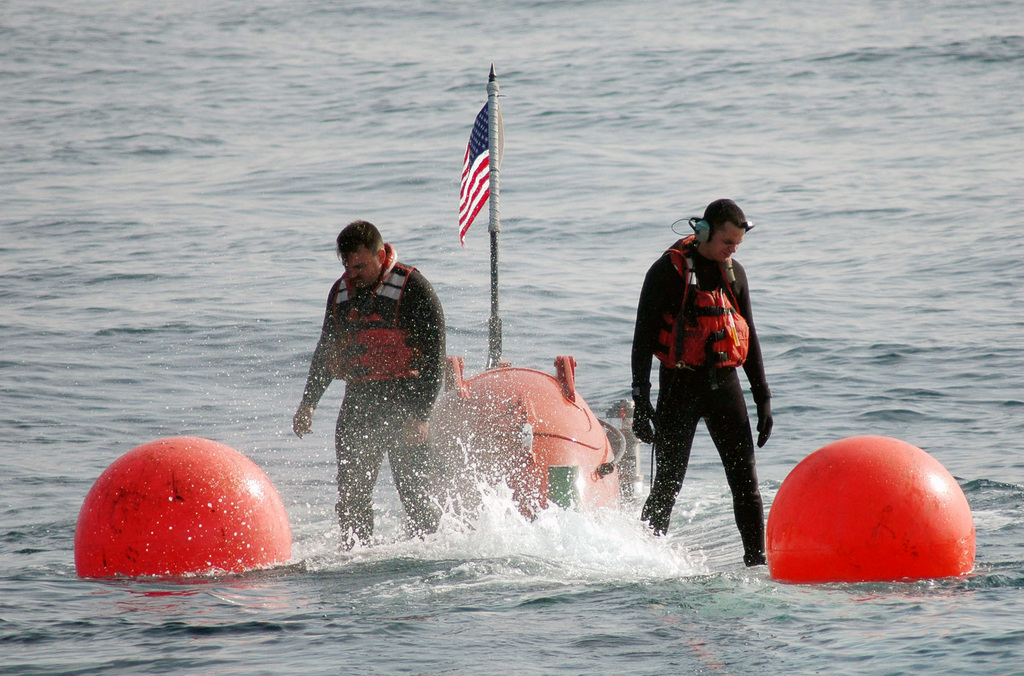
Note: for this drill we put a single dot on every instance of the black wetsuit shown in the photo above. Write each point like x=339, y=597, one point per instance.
x=374, y=411
x=709, y=392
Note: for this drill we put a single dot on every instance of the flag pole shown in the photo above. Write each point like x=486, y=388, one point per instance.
x=494, y=143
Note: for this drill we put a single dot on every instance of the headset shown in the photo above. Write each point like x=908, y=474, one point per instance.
x=702, y=229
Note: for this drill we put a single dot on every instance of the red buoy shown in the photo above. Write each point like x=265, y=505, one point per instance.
x=179, y=506
x=869, y=509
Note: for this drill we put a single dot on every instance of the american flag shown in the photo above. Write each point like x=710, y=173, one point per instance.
x=476, y=175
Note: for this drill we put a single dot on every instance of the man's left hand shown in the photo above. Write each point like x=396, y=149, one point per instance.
x=302, y=423
x=764, y=421
x=415, y=431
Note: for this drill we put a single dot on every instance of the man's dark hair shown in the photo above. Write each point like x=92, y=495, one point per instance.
x=724, y=211
x=359, y=234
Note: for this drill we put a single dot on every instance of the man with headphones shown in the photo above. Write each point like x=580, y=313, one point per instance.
x=694, y=315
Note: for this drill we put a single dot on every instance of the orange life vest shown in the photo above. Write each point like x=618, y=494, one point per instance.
x=707, y=324
x=369, y=344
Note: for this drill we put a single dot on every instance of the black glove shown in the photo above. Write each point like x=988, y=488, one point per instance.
x=764, y=421
x=643, y=417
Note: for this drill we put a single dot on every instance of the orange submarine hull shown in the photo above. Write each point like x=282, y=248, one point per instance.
x=529, y=430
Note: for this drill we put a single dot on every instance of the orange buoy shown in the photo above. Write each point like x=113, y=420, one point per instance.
x=865, y=509
x=179, y=506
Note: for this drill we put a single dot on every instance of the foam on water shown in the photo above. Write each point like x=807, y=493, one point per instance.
x=559, y=544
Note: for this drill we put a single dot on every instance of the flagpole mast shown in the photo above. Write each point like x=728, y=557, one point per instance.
x=494, y=152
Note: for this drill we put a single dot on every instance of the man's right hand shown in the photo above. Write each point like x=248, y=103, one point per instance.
x=643, y=418
x=302, y=423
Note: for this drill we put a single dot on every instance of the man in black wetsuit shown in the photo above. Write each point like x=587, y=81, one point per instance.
x=384, y=335
x=694, y=315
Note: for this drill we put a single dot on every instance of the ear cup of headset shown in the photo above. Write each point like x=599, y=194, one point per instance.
x=701, y=229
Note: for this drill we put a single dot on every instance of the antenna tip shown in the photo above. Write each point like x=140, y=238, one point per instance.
x=492, y=76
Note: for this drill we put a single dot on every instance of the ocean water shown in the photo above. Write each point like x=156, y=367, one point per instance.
x=172, y=177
